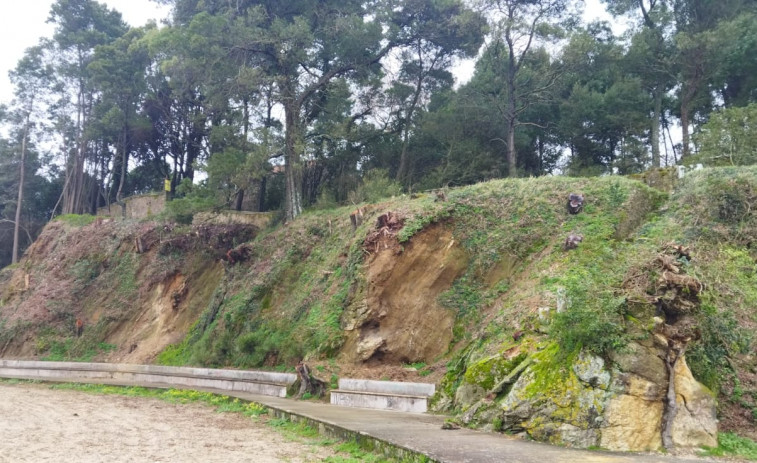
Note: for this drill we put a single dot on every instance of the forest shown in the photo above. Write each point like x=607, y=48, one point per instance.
x=269, y=105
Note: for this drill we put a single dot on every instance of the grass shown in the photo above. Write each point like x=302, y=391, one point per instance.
x=288, y=301
x=731, y=445
x=76, y=220
x=222, y=403
x=76, y=350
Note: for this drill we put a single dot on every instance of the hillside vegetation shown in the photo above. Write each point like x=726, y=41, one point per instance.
x=471, y=288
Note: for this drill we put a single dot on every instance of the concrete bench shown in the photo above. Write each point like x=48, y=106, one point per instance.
x=384, y=395
x=255, y=382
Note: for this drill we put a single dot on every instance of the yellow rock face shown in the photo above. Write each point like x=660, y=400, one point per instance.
x=695, y=423
x=633, y=421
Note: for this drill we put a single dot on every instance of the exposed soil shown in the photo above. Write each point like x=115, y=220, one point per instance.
x=40, y=425
x=166, y=315
x=402, y=320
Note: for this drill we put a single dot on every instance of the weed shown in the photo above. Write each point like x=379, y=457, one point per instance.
x=731, y=445
x=76, y=220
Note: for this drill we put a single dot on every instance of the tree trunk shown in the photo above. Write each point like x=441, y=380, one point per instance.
x=512, y=162
x=239, y=199
x=511, y=113
x=656, y=115
x=124, y=164
x=21, y=174
x=402, y=172
x=689, y=90
x=261, y=194
x=292, y=168
x=685, y=129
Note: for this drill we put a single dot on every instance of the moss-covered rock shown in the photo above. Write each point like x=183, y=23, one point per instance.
x=486, y=372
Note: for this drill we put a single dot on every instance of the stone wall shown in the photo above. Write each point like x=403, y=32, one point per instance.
x=258, y=219
x=151, y=204
x=137, y=207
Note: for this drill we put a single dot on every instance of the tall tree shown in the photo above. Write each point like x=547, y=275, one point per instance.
x=118, y=74
x=299, y=48
x=603, y=106
x=447, y=30
x=31, y=77
x=653, y=42
x=696, y=54
x=518, y=25
x=80, y=26
x=735, y=40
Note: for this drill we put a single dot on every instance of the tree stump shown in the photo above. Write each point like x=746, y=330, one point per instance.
x=309, y=383
x=575, y=203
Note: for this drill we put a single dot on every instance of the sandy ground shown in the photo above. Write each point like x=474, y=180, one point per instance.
x=38, y=424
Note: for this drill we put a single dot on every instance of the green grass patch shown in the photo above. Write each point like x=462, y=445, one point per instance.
x=76, y=220
x=731, y=445
x=222, y=403
x=76, y=350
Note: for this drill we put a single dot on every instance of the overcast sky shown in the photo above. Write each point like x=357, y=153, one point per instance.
x=23, y=23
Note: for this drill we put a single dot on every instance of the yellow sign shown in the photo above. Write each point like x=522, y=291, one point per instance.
x=167, y=185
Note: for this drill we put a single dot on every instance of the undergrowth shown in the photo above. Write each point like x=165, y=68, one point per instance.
x=76, y=220
x=732, y=445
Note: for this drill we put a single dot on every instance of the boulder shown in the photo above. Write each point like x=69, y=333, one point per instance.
x=632, y=424
x=591, y=370
x=367, y=347
x=696, y=423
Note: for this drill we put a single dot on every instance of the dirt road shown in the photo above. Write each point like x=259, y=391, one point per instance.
x=38, y=424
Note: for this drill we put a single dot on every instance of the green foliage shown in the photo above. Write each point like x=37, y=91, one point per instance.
x=310, y=284
x=76, y=220
x=418, y=223
x=376, y=185
x=729, y=137
x=466, y=298
x=731, y=297
x=222, y=403
x=176, y=354
x=182, y=210
x=77, y=350
x=293, y=430
x=87, y=269
x=732, y=445
x=485, y=372
x=356, y=454
x=582, y=327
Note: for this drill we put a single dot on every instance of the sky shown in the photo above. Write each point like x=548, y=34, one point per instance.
x=23, y=23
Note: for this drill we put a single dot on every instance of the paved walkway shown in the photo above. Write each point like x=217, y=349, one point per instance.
x=422, y=434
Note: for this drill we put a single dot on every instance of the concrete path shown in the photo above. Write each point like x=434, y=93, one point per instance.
x=405, y=434
x=423, y=434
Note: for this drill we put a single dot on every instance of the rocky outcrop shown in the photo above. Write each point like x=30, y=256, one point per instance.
x=590, y=404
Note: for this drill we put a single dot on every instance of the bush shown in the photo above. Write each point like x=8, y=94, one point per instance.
x=182, y=210
x=581, y=327
x=729, y=137
x=376, y=185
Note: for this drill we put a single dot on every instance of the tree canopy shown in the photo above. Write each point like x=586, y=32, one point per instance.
x=271, y=105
